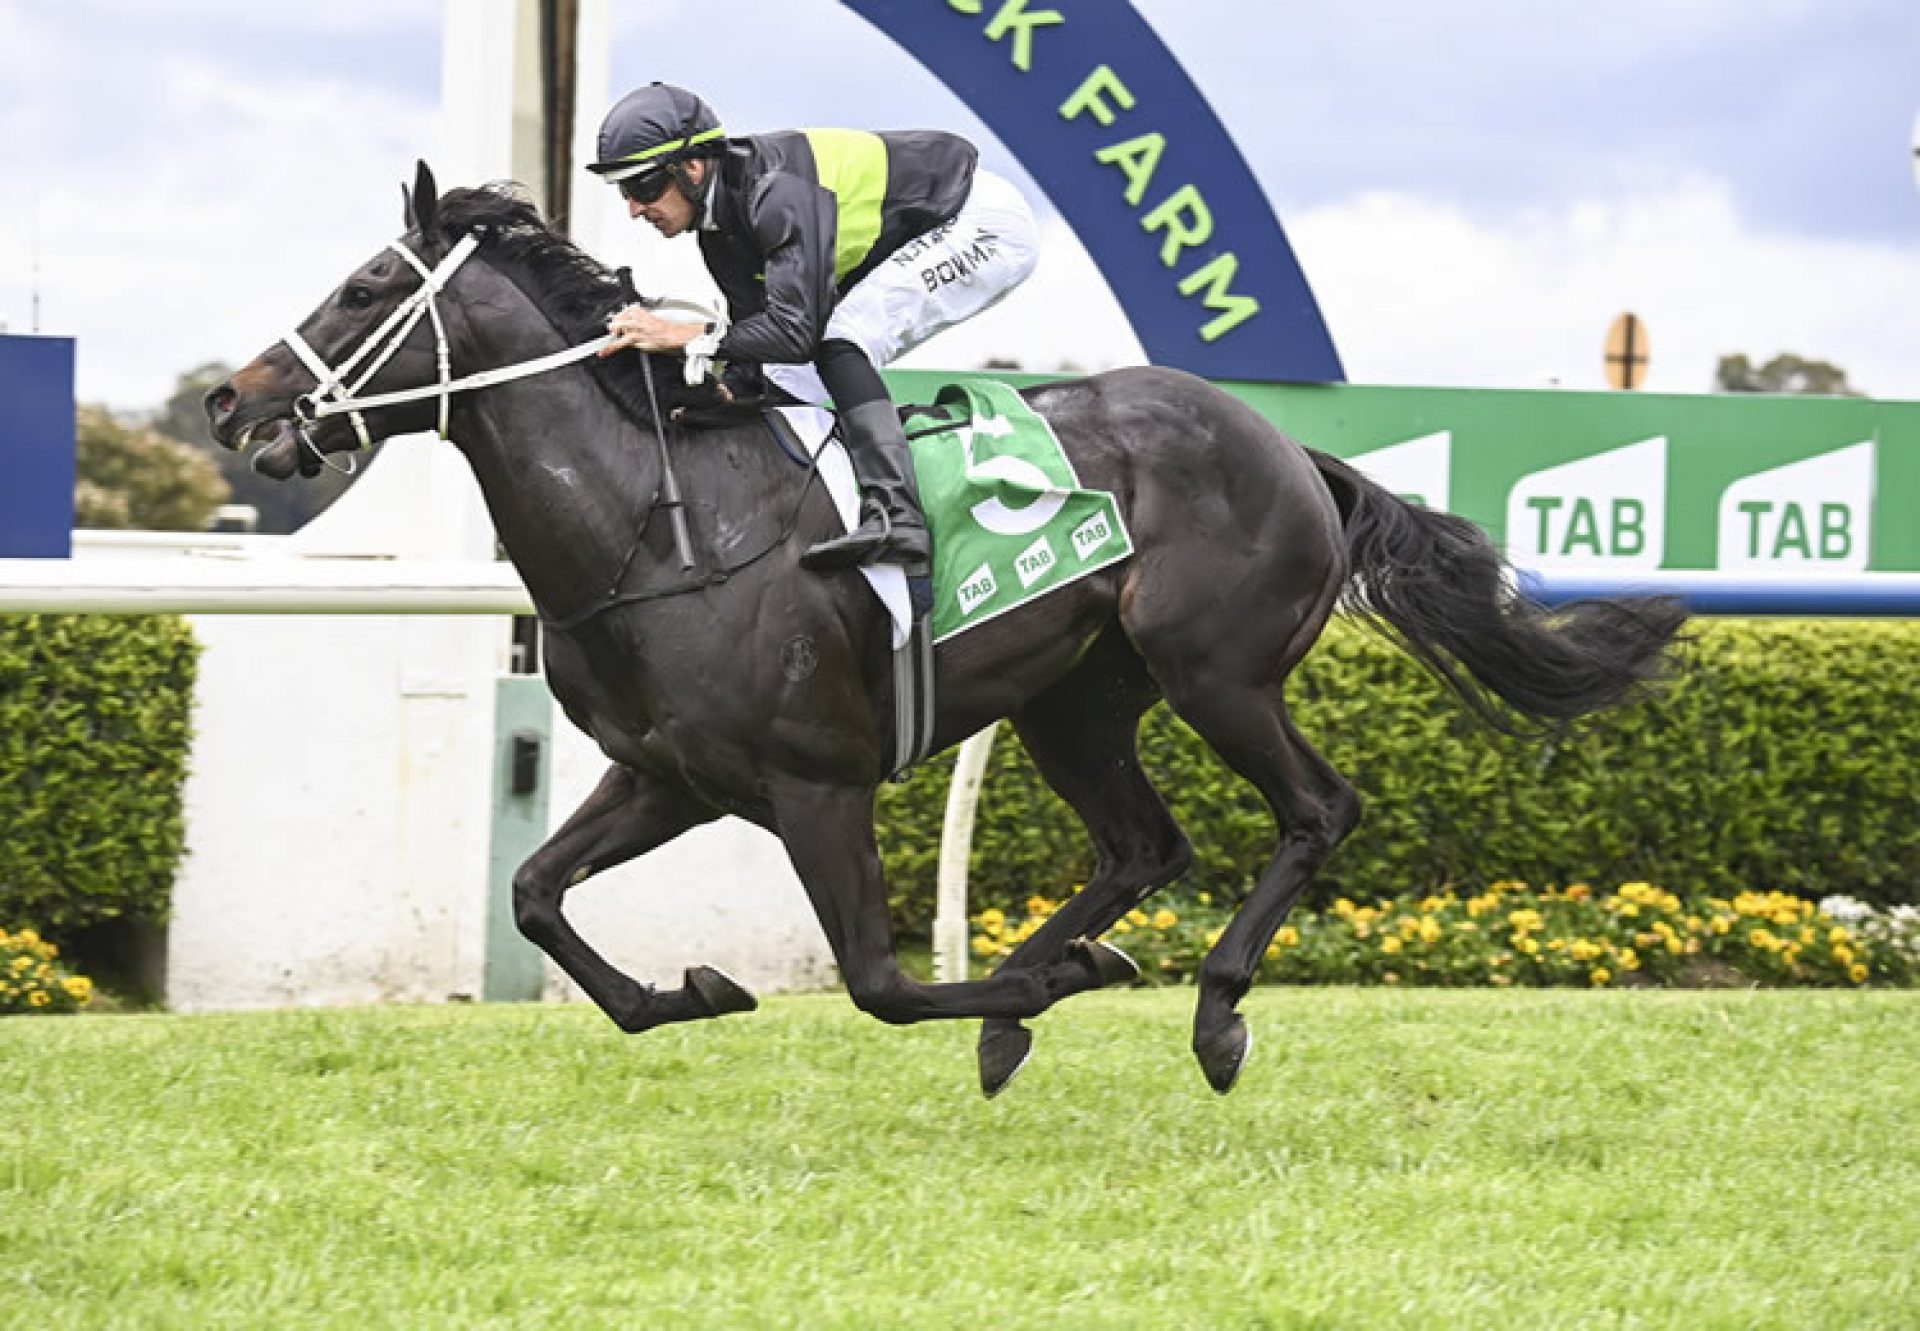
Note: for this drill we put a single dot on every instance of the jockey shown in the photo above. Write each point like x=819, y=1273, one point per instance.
x=837, y=250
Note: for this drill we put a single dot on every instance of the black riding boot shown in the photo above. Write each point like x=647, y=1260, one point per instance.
x=892, y=529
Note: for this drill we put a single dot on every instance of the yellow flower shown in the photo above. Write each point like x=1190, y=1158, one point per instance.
x=1390, y=945
x=1343, y=908
x=1838, y=935
x=986, y=947
x=1857, y=973
x=1430, y=931
x=1629, y=960
x=1288, y=937
x=1674, y=945
x=1524, y=921
x=1530, y=946
x=39, y=998
x=1138, y=918
x=1600, y=976
x=1578, y=892
x=1039, y=906
x=79, y=988
x=1585, y=949
x=1843, y=955
x=992, y=919
x=1164, y=919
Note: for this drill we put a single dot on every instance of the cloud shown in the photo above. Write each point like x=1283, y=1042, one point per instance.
x=1418, y=292
x=243, y=19
x=161, y=262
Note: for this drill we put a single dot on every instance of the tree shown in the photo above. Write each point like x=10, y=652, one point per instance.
x=283, y=506
x=130, y=476
x=1785, y=373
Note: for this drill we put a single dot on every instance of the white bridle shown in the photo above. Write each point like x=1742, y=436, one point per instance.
x=333, y=396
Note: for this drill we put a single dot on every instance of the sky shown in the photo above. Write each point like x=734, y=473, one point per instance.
x=1474, y=188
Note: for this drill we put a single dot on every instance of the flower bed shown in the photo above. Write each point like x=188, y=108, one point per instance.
x=31, y=982
x=1513, y=935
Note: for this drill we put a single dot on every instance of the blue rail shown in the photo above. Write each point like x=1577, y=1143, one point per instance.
x=1864, y=595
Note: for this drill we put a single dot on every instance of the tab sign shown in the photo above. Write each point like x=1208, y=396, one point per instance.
x=1807, y=515
x=1604, y=511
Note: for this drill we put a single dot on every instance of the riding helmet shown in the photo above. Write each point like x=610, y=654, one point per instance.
x=653, y=126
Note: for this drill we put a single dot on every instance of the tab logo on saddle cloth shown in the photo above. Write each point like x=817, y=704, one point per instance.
x=1009, y=519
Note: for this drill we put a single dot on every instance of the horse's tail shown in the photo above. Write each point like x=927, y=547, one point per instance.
x=1435, y=584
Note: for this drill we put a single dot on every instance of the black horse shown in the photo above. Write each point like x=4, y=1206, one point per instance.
x=746, y=686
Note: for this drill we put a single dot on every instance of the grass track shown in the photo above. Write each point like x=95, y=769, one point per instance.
x=1455, y=1159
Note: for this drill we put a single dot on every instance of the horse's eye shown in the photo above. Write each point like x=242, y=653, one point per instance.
x=357, y=298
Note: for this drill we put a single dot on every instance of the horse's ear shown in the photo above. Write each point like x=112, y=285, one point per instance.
x=423, y=200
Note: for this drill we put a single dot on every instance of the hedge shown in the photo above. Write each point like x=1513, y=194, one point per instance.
x=95, y=726
x=1781, y=756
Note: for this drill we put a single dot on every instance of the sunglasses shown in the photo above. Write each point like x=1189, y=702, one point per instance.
x=647, y=188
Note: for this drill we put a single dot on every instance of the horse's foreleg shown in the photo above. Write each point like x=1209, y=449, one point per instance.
x=629, y=813
x=828, y=833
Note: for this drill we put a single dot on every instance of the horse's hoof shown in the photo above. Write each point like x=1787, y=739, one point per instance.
x=718, y=992
x=1108, y=963
x=1224, y=1053
x=1004, y=1050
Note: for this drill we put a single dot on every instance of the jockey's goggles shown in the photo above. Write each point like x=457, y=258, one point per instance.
x=646, y=188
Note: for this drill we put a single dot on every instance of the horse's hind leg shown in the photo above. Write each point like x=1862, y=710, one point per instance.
x=1222, y=659
x=1315, y=809
x=1082, y=735
x=629, y=813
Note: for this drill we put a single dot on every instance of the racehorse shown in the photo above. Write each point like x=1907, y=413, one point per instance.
x=746, y=686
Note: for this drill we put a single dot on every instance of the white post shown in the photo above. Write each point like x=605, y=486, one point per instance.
x=956, y=845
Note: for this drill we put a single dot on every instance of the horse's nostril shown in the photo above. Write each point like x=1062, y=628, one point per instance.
x=222, y=400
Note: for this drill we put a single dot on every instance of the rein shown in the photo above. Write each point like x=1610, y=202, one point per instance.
x=331, y=395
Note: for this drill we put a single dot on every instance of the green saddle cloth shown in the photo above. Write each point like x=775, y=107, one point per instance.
x=1009, y=519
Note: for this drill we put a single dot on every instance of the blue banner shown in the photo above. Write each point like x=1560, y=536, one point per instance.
x=36, y=447
x=1105, y=119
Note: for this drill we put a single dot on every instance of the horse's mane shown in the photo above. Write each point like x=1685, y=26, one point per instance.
x=574, y=290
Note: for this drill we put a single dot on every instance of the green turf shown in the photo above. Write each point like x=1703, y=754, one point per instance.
x=1418, y=1159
